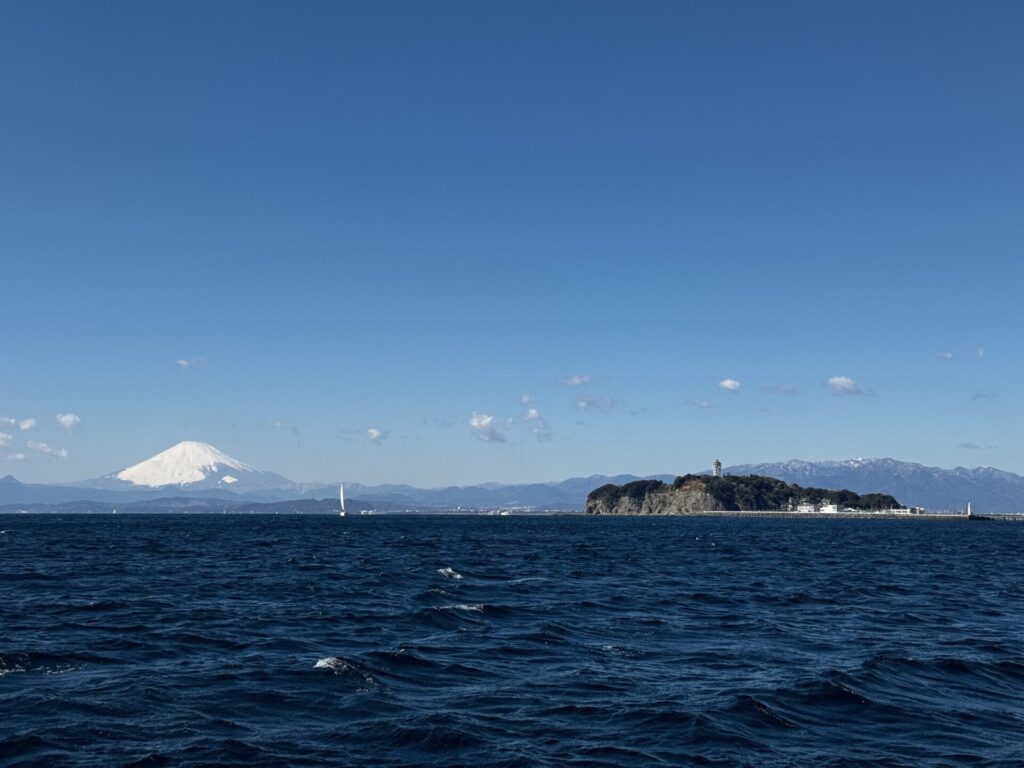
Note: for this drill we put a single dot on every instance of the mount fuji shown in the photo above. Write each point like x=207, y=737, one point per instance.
x=195, y=466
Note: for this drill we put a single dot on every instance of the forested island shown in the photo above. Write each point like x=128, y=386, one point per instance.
x=694, y=494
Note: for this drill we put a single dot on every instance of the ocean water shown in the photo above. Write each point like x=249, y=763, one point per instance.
x=509, y=641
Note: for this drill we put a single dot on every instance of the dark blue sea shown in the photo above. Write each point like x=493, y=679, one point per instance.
x=509, y=641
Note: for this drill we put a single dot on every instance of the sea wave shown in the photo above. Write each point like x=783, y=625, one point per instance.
x=208, y=640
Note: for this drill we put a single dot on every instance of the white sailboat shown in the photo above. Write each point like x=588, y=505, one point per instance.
x=341, y=499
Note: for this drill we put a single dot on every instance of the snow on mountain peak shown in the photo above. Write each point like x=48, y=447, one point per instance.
x=187, y=462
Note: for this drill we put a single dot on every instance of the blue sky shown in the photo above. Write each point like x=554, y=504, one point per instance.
x=277, y=226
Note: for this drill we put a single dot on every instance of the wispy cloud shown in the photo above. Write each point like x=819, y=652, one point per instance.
x=577, y=380
x=50, y=450
x=970, y=446
x=68, y=420
x=284, y=426
x=22, y=424
x=780, y=389
x=600, y=404
x=483, y=426
x=981, y=394
x=729, y=385
x=377, y=436
x=702, y=404
x=844, y=386
x=5, y=439
x=979, y=353
x=438, y=423
x=537, y=425
x=196, y=362
x=16, y=457
x=527, y=399
x=946, y=355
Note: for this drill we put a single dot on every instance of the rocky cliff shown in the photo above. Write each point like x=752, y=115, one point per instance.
x=650, y=497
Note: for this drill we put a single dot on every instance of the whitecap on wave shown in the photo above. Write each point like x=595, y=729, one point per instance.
x=333, y=663
x=450, y=573
x=351, y=670
x=6, y=669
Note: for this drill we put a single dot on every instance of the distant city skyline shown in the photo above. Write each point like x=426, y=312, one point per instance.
x=454, y=243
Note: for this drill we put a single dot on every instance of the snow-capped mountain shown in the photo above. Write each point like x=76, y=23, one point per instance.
x=988, y=489
x=193, y=465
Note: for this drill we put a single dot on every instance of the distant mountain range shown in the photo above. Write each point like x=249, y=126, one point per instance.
x=565, y=495
x=989, y=490
x=191, y=471
x=198, y=476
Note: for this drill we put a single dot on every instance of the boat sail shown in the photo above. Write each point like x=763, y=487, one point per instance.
x=341, y=499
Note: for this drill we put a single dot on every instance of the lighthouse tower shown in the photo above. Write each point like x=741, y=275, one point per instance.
x=716, y=468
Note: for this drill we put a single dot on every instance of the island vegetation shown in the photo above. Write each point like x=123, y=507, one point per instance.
x=689, y=494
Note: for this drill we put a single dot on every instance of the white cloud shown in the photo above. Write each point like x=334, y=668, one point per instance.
x=8, y=421
x=26, y=424
x=980, y=352
x=537, y=425
x=702, y=404
x=5, y=439
x=577, y=380
x=526, y=399
x=195, y=362
x=729, y=385
x=68, y=420
x=16, y=457
x=946, y=355
x=60, y=453
x=844, y=386
x=376, y=436
x=483, y=426
x=602, y=404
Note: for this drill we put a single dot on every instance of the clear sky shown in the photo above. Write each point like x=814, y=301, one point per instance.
x=343, y=240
